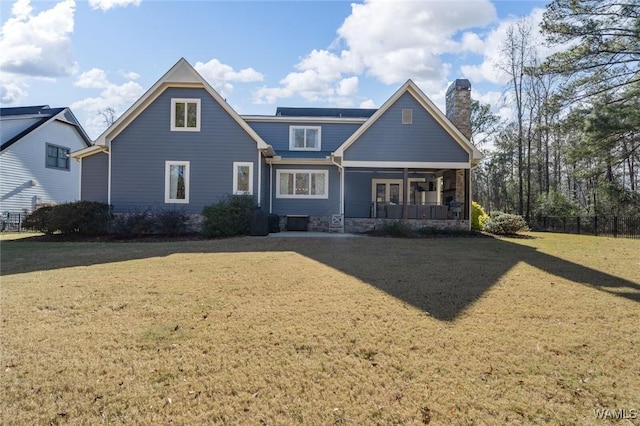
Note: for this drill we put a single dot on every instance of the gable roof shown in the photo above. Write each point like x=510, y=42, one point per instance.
x=411, y=88
x=18, y=122
x=182, y=74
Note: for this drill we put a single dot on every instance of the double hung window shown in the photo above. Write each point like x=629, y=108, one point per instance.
x=185, y=115
x=304, y=138
x=57, y=157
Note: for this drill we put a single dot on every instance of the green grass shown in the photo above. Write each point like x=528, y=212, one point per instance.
x=320, y=331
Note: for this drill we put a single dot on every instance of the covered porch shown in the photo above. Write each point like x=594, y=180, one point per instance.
x=410, y=194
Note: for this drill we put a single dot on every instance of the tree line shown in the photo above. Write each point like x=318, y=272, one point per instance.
x=572, y=146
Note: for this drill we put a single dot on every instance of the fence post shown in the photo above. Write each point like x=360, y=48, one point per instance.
x=615, y=226
x=595, y=225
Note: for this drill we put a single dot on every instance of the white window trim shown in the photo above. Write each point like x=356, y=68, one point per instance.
x=167, y=182
x=291, y=139
x=237, y=164
x=174, y=101
x=305, y=171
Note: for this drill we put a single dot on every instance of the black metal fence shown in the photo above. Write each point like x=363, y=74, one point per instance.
x=12, y=222
x=610, y=226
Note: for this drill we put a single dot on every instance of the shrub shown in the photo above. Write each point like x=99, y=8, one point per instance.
x=505, y=224
x=171, y=222
x=478, y=216
x=133, y=225
x=230, y=216
x=397, y=228
x=39, y=220
x=81, y=217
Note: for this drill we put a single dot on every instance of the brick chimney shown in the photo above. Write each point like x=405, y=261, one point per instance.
x=458, y=106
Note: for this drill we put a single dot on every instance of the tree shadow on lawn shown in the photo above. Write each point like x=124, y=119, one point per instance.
x=439, y=276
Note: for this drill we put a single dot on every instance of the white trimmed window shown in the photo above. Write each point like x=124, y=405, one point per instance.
x=185, y=115
x=302, y=184
x=243, y=178
x=176, y=182
x=304, y=138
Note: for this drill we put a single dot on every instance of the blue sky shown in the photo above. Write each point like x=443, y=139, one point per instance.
x=95, y=54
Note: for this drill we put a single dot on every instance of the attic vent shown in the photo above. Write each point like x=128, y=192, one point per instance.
x=407, y=116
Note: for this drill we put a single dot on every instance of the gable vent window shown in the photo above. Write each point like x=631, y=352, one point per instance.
x=407, y=116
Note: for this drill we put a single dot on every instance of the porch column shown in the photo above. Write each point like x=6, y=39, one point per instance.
x=405, y=193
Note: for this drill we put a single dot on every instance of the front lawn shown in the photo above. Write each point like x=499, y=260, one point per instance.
x=367, y=330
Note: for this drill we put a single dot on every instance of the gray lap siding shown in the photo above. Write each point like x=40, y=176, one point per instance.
x=422, y=141
x=305, y=206
x=276, y=134
x=139, y=154
x=94, y=185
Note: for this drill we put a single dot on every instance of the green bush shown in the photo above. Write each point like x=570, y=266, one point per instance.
x=505, y=224
x=171, y=222
x=231, y=216
x=397, y=228
x=478, y=216
x=133, y=225
x=81, y=217
x=39, y=220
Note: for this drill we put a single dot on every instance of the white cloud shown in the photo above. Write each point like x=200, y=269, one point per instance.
x=348, y=86
x=369, y=104
x=488, y=69
x=93, y=79
x=38, y=45
x=116, y=96
x=12, y=93
x=221, y=75
x=129, y=75
x=105, y=5
x=389, y=41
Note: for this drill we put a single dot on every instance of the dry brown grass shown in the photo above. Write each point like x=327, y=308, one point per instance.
x=320, y=331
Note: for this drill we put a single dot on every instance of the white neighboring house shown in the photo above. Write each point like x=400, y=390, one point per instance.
x=35, y=165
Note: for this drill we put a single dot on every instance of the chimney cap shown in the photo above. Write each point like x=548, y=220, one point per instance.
x=460, y=84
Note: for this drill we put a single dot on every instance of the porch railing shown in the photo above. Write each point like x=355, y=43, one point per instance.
x=414, y=211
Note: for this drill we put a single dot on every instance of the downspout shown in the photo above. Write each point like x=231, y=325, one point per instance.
x=79, y=160
x=270, y=187
x=341, y=171
x=109, y=177
x=259, y=178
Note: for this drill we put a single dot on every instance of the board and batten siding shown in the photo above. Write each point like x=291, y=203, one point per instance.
x=24, y=162
x=139, y=153
x=94, y=184
x=422, y=141
x=276, y=134
x=306, y=206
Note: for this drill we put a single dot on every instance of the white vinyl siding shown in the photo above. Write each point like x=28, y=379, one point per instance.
x=305, y=138
x=176, y=182
x=185, y=115
x=242, y=178
x=302, y=184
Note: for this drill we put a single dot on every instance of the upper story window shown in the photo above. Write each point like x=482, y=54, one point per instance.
x=185, y=115
x=57, y=157
x=304, y=138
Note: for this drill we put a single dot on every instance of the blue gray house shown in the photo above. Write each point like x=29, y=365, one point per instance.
x=330, y=169
x=35, y=163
